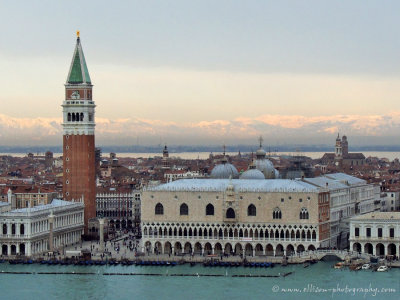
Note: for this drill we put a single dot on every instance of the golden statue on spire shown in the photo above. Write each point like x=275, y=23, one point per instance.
x=77, y=33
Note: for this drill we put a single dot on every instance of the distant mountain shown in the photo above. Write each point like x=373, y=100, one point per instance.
x=194, y=148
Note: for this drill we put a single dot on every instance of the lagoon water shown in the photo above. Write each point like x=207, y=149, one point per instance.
x=319, y=281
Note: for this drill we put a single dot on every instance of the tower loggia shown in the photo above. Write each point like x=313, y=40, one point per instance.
x=78, y=136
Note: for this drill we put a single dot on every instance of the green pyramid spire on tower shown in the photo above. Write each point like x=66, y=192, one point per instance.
x=78, y=72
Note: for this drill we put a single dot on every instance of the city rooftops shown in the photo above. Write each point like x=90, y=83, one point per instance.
x=324, y=182
x=378, y=215
x=351, y=180
x=239, y=185
x=55, y=205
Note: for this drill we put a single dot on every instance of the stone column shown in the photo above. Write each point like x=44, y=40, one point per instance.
x=51, y=224
x=101, y=233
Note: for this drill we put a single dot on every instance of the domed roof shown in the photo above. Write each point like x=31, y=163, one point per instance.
x=224, y=171
x=252, y=174
x=260, y=153
x=266, y=167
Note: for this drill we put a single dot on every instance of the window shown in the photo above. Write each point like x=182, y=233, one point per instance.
x=277, y=214
x=13, y=229
x=90, y=117
x=209, y=210
x=184, y=209
x=4, y=228
x=159, y=210
x=230, y=213
x=251, y=210
x=356, y=231
x=282, y=200
x=391, y=232
x=380, y=232
x=304, y=214
x=368, y=232
x=300, y=200
x=22, y=229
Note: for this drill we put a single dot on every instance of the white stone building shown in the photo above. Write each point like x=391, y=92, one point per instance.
x=242, y=217
x=249, y=216
x=349, y=196
x=390, y=201
x=122, y=209
x=376, y=233
x=27, y=231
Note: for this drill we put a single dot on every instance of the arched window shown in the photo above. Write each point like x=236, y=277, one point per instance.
x=81, y=117
x=12, y=228
x=22, y=229
x=184, y=209
x=69, y=117
x=277, y=214
x=4, y=228
x=73, y=117
x=304, y=214
x=251, y=210
x=209, y=210
x=159, y=210
x=230, y=213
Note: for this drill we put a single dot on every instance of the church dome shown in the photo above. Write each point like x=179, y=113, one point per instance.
x=260, y=153
x=266, y=167
x=252, y=174
x=224, y=171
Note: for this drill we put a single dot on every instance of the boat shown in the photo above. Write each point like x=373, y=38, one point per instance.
x=339, y=265
x=355, y=267
x=306, y=265
x=382, y=269
x=366, y=266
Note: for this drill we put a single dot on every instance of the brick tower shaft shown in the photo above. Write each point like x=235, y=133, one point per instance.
x=79, y=177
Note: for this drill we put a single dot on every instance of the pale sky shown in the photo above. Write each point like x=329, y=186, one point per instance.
x=205, y=71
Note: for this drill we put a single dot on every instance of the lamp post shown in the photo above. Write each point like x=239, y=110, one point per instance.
x=101, y=233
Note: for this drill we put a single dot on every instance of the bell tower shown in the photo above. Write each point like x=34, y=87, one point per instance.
x=79, y=182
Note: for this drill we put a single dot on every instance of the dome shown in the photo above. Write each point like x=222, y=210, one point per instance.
x=266, y=167
x=276, y=173
x=260, y=153
x=252, y=174
x=224, y=171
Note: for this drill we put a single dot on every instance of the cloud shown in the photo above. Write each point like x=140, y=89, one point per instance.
x=284, y=128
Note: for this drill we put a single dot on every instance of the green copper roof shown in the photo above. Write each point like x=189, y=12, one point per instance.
x=78, y=72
